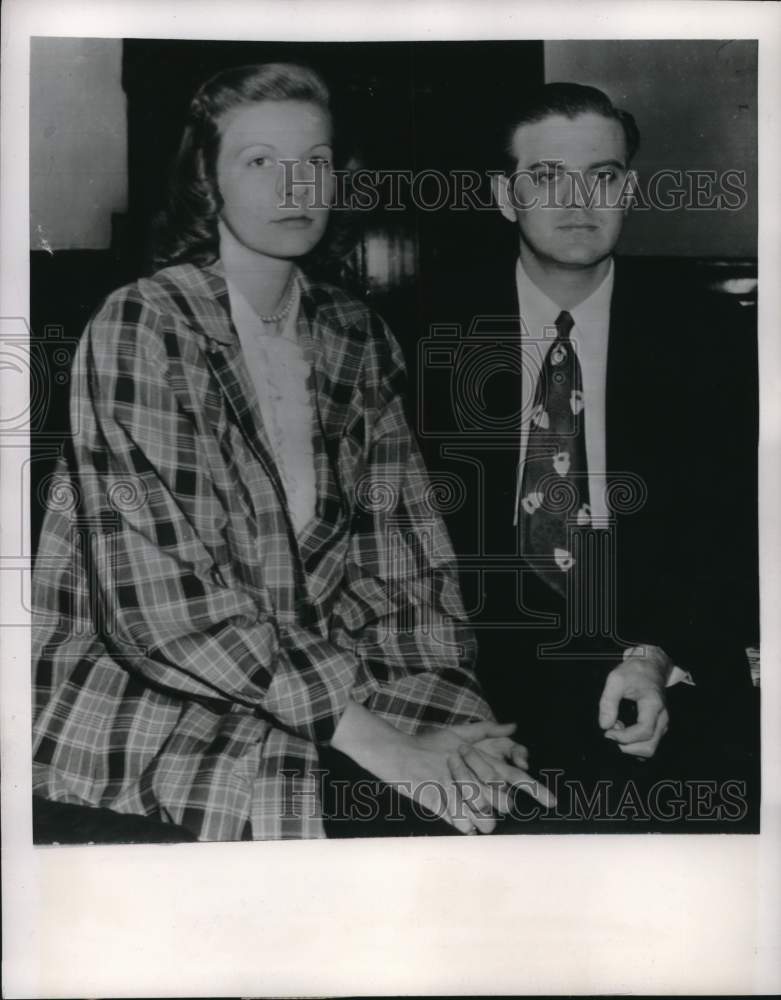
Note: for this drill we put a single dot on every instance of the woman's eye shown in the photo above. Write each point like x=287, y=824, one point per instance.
x=320, y=161
x=260, y=161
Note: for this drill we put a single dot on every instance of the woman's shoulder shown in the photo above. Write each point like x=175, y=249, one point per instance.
x=334, y=304
x=170, y=289
x=152, y=318
x=353, y=336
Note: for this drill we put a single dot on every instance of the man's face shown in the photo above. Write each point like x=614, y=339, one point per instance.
x=559, y=161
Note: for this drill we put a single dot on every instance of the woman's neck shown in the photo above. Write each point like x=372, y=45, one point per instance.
x=263, y=281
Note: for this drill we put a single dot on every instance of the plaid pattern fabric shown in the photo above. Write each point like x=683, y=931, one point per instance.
x=190, y=652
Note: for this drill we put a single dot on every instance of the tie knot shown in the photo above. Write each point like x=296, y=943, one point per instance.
x=564, y=324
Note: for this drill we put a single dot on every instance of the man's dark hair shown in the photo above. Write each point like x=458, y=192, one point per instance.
x=568, y=100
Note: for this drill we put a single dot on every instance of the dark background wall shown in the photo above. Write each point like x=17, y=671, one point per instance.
x=696, y=105
x=97, y=103
x=106, y=117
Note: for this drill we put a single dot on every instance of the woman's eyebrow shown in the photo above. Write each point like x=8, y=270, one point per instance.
x=325, y=144
x=255, y=145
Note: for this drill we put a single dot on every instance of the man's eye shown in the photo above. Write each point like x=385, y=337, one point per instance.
x=320, y=161
x=606, y=175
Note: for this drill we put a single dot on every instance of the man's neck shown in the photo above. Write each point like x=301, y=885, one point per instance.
x=567, y=287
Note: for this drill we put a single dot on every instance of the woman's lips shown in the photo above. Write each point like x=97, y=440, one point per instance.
x=294, y=222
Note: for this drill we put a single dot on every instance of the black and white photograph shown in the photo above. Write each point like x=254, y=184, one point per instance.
x=391, y=461
x=284, y=588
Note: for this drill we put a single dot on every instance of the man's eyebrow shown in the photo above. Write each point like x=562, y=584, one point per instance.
x=607, y=163
x=546, y=163
x=560, y=165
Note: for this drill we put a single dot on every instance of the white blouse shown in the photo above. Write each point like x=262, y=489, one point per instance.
x=279, y=372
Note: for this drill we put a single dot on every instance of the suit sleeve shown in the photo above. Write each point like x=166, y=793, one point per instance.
x=702, y=607
x=401, y=610
x=144, y=483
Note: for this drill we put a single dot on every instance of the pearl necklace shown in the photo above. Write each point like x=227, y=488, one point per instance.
x=277, y=317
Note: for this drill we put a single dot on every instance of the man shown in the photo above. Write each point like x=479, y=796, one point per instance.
x=615, y=545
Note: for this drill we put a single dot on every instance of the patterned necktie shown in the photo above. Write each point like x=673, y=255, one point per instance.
x=554, y=488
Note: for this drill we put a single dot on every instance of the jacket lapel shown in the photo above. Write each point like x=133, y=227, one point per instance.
x=333, y=337
x=227, y=363
x=630, y=366
x=202, y=297
x=335, y=347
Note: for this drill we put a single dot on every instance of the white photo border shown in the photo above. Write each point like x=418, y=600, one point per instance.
x=522, y=915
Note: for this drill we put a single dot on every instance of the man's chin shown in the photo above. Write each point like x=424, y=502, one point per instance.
x=580, y=261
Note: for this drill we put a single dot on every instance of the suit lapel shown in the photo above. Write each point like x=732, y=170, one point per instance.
x=495, y=311
x=643, y=395
x=628, y=371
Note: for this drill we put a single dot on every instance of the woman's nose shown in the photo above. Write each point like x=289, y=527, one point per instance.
x=295, y=183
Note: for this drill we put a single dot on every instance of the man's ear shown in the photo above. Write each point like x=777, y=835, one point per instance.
x=500, y=189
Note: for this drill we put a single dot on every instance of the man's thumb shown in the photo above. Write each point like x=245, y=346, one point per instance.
x=609, y=702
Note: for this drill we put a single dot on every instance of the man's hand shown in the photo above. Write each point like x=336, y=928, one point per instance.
x=640, y=678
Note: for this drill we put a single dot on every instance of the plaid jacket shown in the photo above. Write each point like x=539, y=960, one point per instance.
x=190, y=653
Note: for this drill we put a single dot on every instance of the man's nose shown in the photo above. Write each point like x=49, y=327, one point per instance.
x=575, y=194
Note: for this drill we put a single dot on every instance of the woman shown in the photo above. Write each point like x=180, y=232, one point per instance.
x=240, y=565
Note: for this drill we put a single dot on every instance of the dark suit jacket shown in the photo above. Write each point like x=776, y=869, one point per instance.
x=681, y=445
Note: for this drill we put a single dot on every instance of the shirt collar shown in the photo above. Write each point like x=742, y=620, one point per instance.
x=593, y=310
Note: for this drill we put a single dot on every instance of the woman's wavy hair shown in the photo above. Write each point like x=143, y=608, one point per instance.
x=187, y=230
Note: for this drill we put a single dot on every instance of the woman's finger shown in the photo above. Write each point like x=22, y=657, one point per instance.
x=488, y=771
x=538, y=791
x=474, y=795
x=474, y=731
x=456, y=813
x=519, y=757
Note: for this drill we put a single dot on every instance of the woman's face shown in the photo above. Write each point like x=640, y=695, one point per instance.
x=276, y=208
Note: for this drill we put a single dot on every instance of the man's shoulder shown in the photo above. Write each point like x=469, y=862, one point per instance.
x=675, y=293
